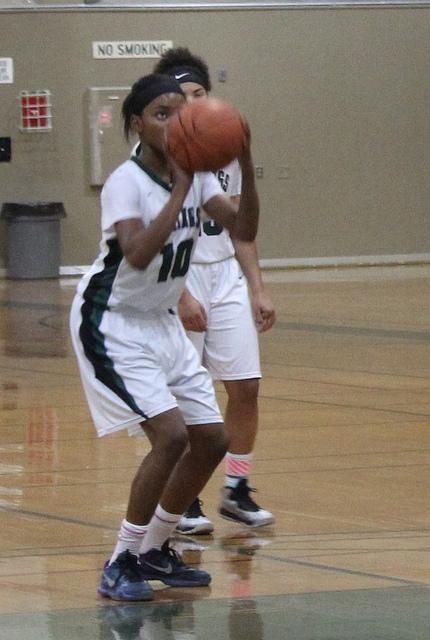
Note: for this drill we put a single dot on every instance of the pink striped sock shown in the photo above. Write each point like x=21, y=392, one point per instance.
x=237, y=466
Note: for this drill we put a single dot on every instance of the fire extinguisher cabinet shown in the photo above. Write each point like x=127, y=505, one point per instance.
x=32, y=239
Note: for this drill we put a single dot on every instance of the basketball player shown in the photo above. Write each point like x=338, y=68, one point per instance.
x=139, y=370
x=223, y=322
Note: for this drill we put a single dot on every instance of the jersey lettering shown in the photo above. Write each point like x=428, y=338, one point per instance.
x=188, y=217
x=211, y=228
x=223, y=179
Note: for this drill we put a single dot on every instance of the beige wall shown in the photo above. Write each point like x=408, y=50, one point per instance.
x=340, y=97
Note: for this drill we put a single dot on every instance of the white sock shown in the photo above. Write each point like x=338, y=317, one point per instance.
x=159, y=529
x=129, y=537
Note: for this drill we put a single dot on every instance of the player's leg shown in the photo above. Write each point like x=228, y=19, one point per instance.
x=242, y=423
x=122, y=578
x=241, y=414
x=208, y=444
x=232, y=355
x=199, y=283
x=192, y=386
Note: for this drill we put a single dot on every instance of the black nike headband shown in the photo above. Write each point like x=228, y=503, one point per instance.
x=188, y=74
x=150, y=87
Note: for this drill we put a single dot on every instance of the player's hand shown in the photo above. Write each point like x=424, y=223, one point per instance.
x=264, y=312
x=179, y=176
x=192, y=313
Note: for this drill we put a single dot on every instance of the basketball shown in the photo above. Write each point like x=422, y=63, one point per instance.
x=205, y=135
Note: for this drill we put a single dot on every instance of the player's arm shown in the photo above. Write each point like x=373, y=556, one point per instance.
x=140, y=244
x=262, y=305
x=242, y=220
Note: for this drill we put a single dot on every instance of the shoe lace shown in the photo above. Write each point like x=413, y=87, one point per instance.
x=195, y=509
x=172, y=555
x=130, y=565
x=241, y=494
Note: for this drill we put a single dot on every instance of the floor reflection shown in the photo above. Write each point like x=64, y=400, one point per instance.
x=169, y=621
x=400, y=613
x=177, y=621
x=34, y=320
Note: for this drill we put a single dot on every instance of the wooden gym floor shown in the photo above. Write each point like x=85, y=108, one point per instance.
x=342, y=460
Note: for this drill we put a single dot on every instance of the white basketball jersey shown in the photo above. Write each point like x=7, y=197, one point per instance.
x=133, y=191
x=214, y=242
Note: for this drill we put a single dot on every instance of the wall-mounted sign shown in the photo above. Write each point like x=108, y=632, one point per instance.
x=6, y=71
x=130, y=49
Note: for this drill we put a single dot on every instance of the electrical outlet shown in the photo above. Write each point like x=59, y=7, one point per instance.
x=259, y=172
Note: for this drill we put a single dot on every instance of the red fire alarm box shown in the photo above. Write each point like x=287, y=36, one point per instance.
x=35, y=110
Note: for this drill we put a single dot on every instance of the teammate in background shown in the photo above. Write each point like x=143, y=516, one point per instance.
x=138, y=368
x=222, y=322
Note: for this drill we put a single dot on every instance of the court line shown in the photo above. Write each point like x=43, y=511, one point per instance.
x=48, y=516
x=344, y=406
x=374, y=332
x=332, y=569
x=96, y=525
x=385, y=374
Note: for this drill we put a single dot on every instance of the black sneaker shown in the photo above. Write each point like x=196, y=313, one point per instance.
x=167, y=566
x=122, y=580
x=194, y=521
x=237, y=505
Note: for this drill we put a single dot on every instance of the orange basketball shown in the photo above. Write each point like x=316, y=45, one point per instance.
x=205, y=135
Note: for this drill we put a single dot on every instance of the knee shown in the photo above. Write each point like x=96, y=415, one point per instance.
x=177, y=443
x=168, y=437
x=210, y=443
x=243, y=391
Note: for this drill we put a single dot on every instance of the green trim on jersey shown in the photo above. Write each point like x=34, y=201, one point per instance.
x=150, y=173
x=96, y=297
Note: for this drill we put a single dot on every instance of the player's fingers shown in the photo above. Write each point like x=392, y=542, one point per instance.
x=258, y=315
x=269, y=318
x=200, y=321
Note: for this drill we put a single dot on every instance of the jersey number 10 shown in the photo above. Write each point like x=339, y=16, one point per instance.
x=177, y=264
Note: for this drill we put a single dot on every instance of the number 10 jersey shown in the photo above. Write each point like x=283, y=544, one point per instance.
x=133, y=191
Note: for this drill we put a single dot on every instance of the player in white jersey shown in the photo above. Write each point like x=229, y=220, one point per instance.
x=139, y=370
x=222, y=322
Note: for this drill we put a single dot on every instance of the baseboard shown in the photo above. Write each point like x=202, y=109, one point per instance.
x=298, y=263
x=345, y=261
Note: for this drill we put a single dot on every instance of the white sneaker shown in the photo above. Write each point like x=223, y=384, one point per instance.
x=194, y=521
x=237, y=505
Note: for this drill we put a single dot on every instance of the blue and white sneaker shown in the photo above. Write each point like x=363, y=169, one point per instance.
x=167, y=566
x=122, y=580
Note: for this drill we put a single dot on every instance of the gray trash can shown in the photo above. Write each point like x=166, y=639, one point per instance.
x=32, y=239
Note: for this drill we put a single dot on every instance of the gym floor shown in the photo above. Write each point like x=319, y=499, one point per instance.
x=342, y=460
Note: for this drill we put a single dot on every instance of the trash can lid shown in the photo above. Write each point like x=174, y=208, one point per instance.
x=32, y=209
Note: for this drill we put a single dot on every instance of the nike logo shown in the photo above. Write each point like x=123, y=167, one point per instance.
x=168, y=569
x=181, y=75
x=110, y=581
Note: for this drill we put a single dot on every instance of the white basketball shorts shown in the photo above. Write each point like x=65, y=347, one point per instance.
x=135, y=367
x=229, y=348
